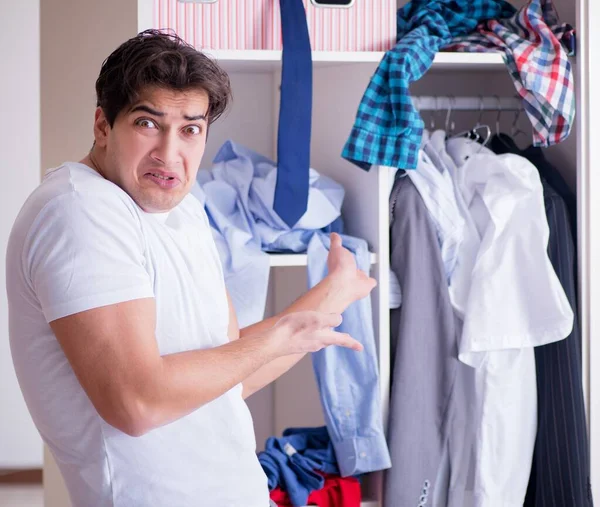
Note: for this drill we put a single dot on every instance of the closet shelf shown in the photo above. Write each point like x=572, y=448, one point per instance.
x=278, y=259
x=270, y=60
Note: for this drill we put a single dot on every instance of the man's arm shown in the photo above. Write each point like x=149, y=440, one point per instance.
x=114, y=354
x=344, y=285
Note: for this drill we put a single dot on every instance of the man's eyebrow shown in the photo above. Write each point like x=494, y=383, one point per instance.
x=147, y=109
x=154, y=112
x=195, y=118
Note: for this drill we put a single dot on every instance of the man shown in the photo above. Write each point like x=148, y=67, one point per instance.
x=122, y=333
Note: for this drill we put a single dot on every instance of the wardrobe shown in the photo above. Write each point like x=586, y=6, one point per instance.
x=71, y=60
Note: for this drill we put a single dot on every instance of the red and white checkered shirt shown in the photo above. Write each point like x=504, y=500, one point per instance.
x=536, y=49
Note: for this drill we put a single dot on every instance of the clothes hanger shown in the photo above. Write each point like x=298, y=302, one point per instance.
x=449, y=126
x=431, y=115
x=478, y=124
x=486, y=128
x=480, y=128
x=515, y=131
x=438, y=110
x=499, y=114
x=475, y=134
x=508, y=144
x=508, y=139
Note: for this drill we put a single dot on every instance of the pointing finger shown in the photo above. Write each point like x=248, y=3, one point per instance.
x=344, y=340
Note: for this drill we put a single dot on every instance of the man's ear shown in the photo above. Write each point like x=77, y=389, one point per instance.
x=101, y=128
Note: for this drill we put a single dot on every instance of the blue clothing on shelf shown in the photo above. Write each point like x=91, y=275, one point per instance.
x=245, y=266
x=293, y=461
x=388, y=129
x=349, y=382
x=238, y=193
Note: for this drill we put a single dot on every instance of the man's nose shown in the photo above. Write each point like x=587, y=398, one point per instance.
x=167, y=150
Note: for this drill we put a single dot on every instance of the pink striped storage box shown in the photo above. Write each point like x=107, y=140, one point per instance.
x=367, y=25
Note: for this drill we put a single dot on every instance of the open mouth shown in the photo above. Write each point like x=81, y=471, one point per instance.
x=167, y=178
x=163, y=180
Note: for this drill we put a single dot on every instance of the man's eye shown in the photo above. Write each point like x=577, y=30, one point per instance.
x=193, y=130
x=145, y=123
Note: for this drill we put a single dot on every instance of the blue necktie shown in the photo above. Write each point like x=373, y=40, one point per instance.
x=295, y=108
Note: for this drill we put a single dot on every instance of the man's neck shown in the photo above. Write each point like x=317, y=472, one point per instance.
x=91, y=161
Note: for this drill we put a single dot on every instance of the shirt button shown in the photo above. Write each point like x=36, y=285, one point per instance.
x=348, y=414
x=363, y=454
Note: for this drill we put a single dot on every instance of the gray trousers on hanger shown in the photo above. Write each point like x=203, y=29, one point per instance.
x=424, y=353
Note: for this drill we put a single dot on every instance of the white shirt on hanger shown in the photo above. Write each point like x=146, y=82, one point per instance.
x=510, y=299
x=436, y=150
x=434, y=184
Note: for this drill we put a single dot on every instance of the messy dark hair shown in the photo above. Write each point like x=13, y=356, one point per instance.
x=155, y=58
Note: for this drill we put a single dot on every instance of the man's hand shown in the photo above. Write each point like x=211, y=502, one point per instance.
x=295, y=329
x=343, y=271
x=308, y=331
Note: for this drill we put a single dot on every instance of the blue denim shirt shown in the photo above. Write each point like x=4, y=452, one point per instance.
x=241, y=185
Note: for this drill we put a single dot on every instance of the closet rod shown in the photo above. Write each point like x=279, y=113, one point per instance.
x=443, y=103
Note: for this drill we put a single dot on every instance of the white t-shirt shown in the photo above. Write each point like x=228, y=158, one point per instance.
x=81, y=242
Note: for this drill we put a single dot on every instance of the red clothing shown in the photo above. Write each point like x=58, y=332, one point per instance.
x=337, y=492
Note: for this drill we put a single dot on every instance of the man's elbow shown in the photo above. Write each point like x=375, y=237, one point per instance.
x=131, y=415
x=135, y=427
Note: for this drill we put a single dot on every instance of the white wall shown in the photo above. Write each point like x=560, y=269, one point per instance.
x=76, y=37
x=20, y=444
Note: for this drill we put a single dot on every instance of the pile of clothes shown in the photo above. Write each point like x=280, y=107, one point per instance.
x=302, y=469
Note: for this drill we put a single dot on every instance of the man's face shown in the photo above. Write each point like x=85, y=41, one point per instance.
x=154, y=148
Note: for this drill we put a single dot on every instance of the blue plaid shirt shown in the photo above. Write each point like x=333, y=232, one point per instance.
x=388, y=129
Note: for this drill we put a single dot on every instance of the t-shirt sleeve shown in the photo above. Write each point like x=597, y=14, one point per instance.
x=85, y=251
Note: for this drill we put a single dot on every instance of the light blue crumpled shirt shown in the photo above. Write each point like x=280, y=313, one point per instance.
x=238, y=195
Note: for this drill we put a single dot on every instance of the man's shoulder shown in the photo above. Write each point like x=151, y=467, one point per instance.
x=71, y=190
x=74, y=177
x=73, y=181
